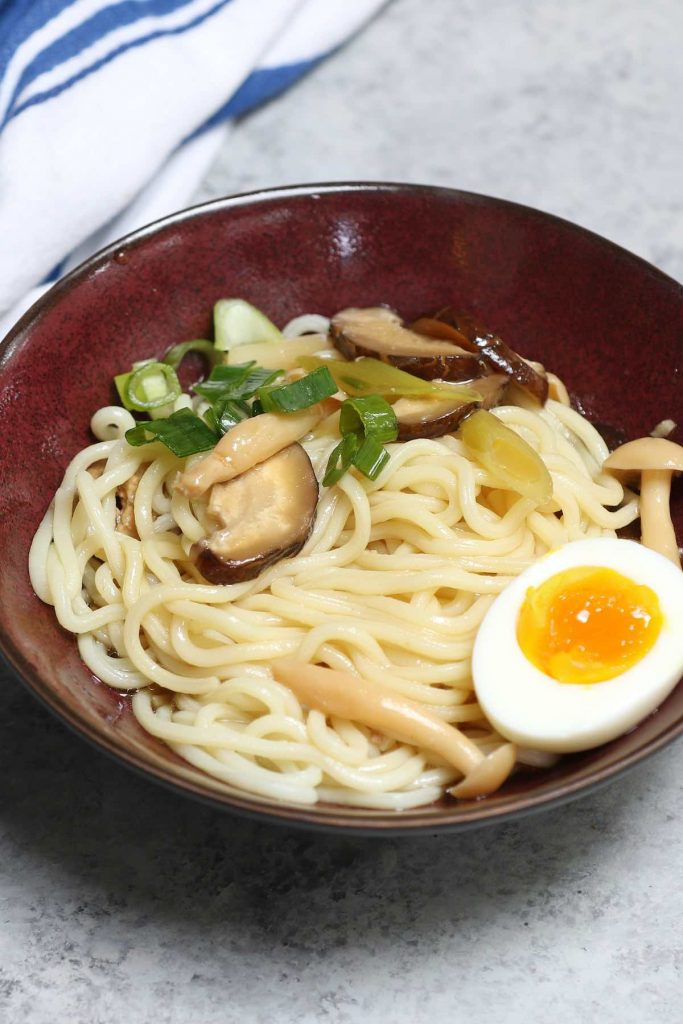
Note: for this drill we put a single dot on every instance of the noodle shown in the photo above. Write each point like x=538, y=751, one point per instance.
x=391, y=586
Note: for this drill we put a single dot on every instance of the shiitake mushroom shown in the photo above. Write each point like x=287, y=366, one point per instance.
x=436, y=416
x=464, y=332
x=261, y=516
x=379, y=332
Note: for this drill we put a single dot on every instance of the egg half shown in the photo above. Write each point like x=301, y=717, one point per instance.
x=581, y=646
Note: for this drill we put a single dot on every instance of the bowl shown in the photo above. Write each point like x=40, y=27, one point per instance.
x=607, y=322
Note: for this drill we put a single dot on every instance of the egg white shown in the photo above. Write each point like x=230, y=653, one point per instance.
x=529, y=707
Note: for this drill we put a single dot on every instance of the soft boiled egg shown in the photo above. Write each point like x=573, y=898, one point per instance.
x=581, y=646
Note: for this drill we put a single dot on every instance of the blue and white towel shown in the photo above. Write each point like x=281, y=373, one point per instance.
x=111, y=112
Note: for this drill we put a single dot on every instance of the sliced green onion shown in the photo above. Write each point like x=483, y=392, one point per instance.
x=121, y=383
x=238, y=382
x=365, y=424
x=367, y=376
x=371, y=457
x=300, y=394
x=182, y=432
x=341, y=459
x=371, y=415
x=506, y=456
x=175, y=355
x=151, y=386
x=225, y=414
x=237, y=322
x=223, y=378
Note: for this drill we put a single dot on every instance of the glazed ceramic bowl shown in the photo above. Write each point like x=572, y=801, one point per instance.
x=609, y=324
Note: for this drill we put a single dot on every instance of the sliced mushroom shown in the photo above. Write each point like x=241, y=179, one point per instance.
x=434, y=417
x=654, y=460
x=379, y=333
x=463, y=330
x=125, y=502
x=263, y=515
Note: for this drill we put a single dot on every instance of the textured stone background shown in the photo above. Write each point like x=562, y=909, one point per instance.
x=122, y=904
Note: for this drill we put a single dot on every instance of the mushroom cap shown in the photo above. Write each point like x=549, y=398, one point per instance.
x=646, y=453
x=462, y=329
x=262, y=515
x=436, y=416
x=379, y=332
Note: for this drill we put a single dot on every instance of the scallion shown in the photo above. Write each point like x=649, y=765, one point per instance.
x=238, y=382
x=182, y=432
x=237, y=322
x=368, y=376
x=225, y=414
x=300, y=394
x=365, y=425
x=341, y=459
x=371, y=415
x=175, y=355
x=370, y=458
x=121, y=384
x=151, y=386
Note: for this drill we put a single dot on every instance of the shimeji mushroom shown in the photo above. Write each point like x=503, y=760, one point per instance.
x=248, y=443
x=654, y=460
x=360, y=700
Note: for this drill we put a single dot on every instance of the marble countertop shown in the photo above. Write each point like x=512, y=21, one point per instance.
x=120, y=902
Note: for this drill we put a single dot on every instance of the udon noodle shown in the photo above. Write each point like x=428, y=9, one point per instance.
x=391, y=586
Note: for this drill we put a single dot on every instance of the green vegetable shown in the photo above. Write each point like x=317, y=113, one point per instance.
x=238, y=382
x=227, y=391
x=236, y=322
x=365, y=425
x=150, y=386
x=225, y=414
x=371, y=415
x=182, y=432
x=371, y=457
x=175, y=355
x=506, y=456
x=300, y=394
x=368, y=376
x=341, y=459
x=121, y=383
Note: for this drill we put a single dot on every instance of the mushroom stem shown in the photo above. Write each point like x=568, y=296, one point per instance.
x=360, y=700
x=249, y=443
x=488, y=775
x=656, y=459
x=657, y=531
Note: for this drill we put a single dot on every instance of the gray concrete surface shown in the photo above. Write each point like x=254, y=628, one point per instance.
x=122, y=904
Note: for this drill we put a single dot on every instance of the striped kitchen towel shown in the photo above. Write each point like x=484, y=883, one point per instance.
x=111, y=112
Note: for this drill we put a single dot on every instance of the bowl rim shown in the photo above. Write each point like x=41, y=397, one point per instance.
x=327, y=818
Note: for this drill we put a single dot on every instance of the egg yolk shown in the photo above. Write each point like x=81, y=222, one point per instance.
x=588, y=624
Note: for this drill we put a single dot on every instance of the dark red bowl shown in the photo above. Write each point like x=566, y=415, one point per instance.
x=608, y=323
